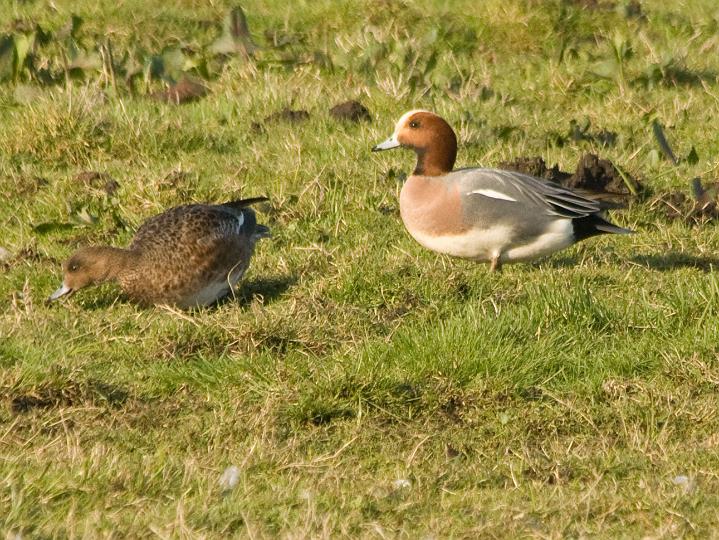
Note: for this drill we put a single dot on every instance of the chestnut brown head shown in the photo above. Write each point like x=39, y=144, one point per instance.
x=430, y=136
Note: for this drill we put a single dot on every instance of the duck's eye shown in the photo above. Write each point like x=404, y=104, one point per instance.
x=73, y=267
x=414, y=124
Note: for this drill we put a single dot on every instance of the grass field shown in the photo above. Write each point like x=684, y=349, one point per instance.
x=363, y=386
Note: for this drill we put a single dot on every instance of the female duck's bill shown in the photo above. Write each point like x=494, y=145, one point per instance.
x=188, y=256
x=485, y=214
x=62, y=291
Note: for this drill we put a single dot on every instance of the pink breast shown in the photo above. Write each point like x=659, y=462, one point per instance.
x=431, y=205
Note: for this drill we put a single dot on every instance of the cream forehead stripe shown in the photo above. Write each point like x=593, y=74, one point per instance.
x=405, y=117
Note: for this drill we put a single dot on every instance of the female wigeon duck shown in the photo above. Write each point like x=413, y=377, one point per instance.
x=485, y=214
x=188, y=256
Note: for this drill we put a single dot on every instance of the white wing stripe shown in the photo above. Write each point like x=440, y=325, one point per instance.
x=493, y=194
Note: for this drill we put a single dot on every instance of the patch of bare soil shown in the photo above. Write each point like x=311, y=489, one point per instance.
x=26, y=186
x=99, y=180
x=699, y=207
x=285, y=115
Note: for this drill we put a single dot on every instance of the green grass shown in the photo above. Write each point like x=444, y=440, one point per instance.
x=557, y=399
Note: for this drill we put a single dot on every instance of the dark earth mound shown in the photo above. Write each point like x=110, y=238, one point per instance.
x=592, y=174
x=352, y=111
x=185, y=91
x=596, y=174
x=535, y=166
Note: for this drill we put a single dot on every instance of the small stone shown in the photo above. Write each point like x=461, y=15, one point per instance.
x=229, y=479
x=5, y=255
x=687, y=483
x=401, y=483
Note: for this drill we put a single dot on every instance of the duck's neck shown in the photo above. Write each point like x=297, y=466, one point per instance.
x=437, y=159
x=113, y=262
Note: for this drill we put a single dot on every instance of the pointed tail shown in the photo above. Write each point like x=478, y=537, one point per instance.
x=613, y=229
x=244, y=203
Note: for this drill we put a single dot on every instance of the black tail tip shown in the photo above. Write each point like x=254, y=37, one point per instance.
x=614, y=229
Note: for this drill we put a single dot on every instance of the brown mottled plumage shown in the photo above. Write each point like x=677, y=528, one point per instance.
x=188, y=256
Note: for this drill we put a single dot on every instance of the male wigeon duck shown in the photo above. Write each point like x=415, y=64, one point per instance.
x=485, y=214
x=188, y=256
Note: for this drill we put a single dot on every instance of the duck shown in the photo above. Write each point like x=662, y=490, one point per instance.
x=188, y=256
x=483, y=214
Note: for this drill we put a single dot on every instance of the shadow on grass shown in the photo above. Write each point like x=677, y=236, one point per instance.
x=673, y=260
x=660, y=262
x=68, y=393
x=561, y=261
x=266, y=289
x=102, y=298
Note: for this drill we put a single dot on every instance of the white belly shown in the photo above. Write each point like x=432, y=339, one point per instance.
x=211, y=292
x=557, y=237
x=473, y=244
x=485, y=244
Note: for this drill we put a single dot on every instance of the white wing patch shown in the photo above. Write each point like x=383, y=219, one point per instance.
x=226, y=228
x=493, y=194
x=234, y=228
